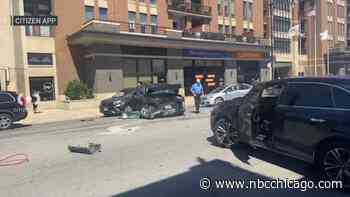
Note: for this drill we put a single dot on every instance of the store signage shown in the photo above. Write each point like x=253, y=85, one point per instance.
x=205, y=53
x=35, y=20
x=249, y=55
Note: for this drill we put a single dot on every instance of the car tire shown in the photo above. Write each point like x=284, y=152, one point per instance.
x=127, y=109
x=6, y=121
x=222, y=130
x=218, y=100
x=147, y=112
x=334, y=161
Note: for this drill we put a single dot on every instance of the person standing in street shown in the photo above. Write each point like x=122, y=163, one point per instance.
x=35, y=101
x=197, y=92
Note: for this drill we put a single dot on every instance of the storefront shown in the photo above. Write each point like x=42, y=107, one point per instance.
x=118, y=60
x=44, y=85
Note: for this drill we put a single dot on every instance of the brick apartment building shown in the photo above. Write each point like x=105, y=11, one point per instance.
x=27, y=61
x=112, y=44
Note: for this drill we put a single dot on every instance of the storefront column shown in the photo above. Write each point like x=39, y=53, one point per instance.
x=175, y=74
x=265, y=71
x=230, y=72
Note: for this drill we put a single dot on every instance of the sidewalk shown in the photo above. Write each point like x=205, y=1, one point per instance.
x=47, y=115
x=56, y=115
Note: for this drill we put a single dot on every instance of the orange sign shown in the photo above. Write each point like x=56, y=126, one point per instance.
x=249, y=55
x=199, y=76
x=211, y=84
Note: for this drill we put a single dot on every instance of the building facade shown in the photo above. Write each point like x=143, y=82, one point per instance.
x=28, y=61
x=323, y=16
x=113, y=44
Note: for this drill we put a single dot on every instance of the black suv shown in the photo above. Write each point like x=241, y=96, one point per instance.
x=12, y=109
x=151, y=101
x=306, y=118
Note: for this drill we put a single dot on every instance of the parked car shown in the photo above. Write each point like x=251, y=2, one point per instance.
x=225, y=93
x=150, y=101
x=12, y=109
x=306, y=118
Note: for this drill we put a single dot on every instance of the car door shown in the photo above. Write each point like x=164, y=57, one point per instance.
x=245, y=112
x=342, y=112
x=7, y=102
x=305, y=114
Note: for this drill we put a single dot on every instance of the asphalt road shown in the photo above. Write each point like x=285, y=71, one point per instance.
x=164, y=157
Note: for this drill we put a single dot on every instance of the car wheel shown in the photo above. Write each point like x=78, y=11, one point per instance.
x=218, y=100
x=6, y=121
x=225, y=136
x=147, y=112
x=335, y=162
x=127, y=109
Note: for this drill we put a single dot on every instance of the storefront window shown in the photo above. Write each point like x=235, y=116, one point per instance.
x=45, y=86
x=144, y=70
x=130, y=73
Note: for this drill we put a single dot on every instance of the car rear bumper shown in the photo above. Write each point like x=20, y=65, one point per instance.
x=21, y=115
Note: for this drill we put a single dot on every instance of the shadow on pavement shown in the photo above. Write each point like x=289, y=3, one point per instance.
x=188, y=184
x=19, y=125
x=245, y=152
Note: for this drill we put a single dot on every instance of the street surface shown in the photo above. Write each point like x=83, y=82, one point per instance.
x=162, y=157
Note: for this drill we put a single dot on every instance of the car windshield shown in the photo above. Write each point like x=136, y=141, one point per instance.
x=218, y=89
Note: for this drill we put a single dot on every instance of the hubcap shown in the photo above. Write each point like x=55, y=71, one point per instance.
x=337, y=164
x=223, y=135
x=5, y=122
x=218, y=101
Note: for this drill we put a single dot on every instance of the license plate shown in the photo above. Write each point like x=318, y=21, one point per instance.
x=105, y=109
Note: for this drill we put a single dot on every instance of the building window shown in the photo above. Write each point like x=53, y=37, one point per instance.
x=341, y=11
x=89, y=13
x=154, y=24
x=233, y=30
x=38, y=8
x=232, y=6
x=227, y=29
x=247, y=10
x=39, y=59
x=132, y=21
x=143, y=18
x=226, y=8
x=330, y=9
x=103, y=14
x=219, y=9
x=44, y=85
x=221, y=28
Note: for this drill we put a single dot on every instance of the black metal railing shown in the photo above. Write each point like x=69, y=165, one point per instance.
x=227, y=37
x=195, y=8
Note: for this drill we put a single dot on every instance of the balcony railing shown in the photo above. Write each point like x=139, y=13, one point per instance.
x=226, y=37
x=117, y=27
x=40, y=31
x=194, y=8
